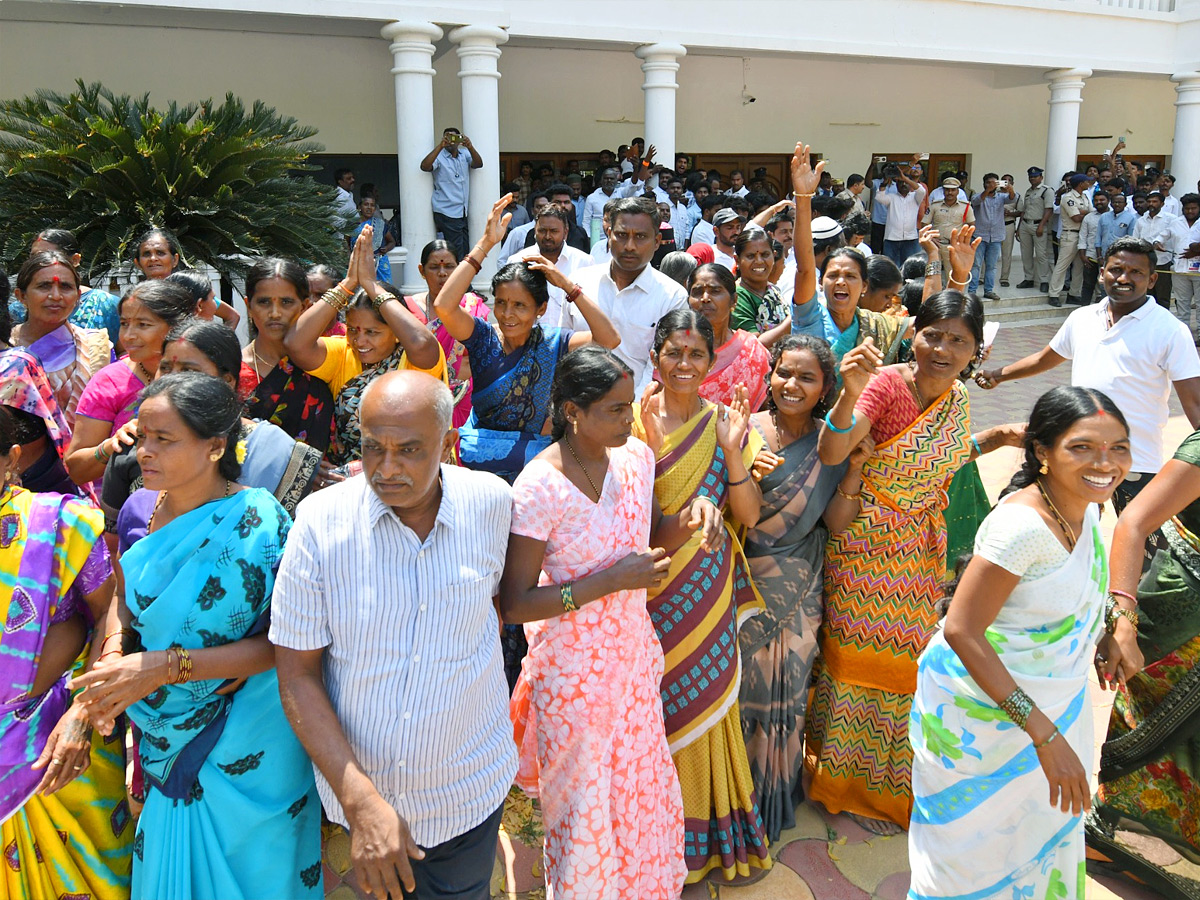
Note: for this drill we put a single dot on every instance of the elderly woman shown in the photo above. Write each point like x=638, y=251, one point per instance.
x=381, y=336
x=48, y=286
x=157, y=255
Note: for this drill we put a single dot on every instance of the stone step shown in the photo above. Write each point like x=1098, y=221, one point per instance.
x=1026, y=311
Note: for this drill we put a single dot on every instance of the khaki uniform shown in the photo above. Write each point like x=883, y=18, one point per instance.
x=1073, y=204
x=858, y=206
x=1035, y=251
x=945, y=219
x=1010, y=232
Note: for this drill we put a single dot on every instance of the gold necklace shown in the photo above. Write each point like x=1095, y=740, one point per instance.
x=912, y=367
x=258, y=359
x=579, y=462
x=1062, y=522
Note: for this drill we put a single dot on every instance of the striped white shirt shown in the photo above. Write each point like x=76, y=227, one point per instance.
x=412, y=658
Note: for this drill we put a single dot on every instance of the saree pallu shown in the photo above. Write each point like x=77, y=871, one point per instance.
x=967, y=505
x=272, y=459
x=982, y=824
x=741, y=360
x=883, y=587
x=786, y=554
x=295, y=401
x=232, y=811
x=78, y=841
x=697, y=612
x=347, y=432
x=1150, y=762
x=70, y=356
x=510, y=405
x=458, y=366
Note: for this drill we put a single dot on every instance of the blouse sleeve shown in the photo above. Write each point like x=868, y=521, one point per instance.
x=538, y=504
x=99, y=399
x=1015, y=538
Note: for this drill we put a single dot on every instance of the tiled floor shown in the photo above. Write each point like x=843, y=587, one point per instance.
x=829, y=857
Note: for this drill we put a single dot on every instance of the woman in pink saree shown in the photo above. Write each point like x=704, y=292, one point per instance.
x=741, y=357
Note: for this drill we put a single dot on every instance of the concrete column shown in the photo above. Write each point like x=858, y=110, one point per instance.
x=1185, y=150
x=660, y=62
x=1062, y=137
x=412, y=69
x=478, y=51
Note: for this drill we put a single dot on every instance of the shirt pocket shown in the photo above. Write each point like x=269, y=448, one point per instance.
x=466, y=618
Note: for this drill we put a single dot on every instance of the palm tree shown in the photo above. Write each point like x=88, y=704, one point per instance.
x=228, y=182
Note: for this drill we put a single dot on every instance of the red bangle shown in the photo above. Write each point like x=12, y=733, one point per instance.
x=477, y=266
x=574, y=294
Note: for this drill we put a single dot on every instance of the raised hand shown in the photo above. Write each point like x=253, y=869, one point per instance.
x=553, y=275
x=733, y=420
x=648, y=411
x=497, y=222
x=365, y=260
x=650, y=151
x=963, y=245
x=928, y=239
x=858, y=366
x=805, y=178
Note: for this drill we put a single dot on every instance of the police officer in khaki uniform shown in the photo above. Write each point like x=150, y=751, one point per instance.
x=1033, y=230
x=947, y=214
x=1010, y=231
x=1074, y=206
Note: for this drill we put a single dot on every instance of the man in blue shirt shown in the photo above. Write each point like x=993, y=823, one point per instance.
x=451, y=170
x=1116, y=223
x=989, y=225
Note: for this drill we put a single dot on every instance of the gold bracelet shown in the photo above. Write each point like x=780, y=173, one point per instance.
x=857, y=495
x=337, y=297
x=809, y=196
x=381, y=298
x=1047, y=740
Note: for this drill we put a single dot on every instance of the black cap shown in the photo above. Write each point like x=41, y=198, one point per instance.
x=1034, y=170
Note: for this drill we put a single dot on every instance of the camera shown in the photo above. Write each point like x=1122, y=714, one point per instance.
x=891, y=170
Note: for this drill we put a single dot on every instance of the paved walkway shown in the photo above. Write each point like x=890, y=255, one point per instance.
x=829, y=857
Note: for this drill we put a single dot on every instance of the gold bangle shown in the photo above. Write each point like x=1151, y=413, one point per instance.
x=337, y=297
x=568, y=597
x=855, y=496
x=1047, y=740
x=810, y=196
x=381, y=298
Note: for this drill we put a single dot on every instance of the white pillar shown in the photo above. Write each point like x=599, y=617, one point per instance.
x=1185, y=150
x=1062, y=136
x=478, y=51
x=412, y=68
x=660, y=62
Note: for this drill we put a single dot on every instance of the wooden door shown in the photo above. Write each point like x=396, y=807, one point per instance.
x=774, y=165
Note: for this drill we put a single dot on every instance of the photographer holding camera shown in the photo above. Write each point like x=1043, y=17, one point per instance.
x=451, y=170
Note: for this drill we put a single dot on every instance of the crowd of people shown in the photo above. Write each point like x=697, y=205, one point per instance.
x=595, y=536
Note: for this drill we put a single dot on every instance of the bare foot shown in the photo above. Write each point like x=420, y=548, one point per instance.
x=876, y=826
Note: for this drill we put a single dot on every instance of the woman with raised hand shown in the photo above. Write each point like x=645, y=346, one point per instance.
x=588, y=540
x=277, y=391
x=64, y=821
x=742, y=360
x=438, y=262
x=108, y=404
x=381, y=336
x=884, y=572
x=704, y=450
x=803, y=501
x=830, y=308
x=513, y=362
x=231, y=808
x=1002, y=708
x=48, y=286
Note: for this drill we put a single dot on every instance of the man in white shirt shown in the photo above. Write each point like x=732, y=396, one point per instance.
x=727, y=225
x=346, y=207
x=1172, y=205
x=737, y=184
x=550, y=232
x=387, y=645
x=611, y=187
x=679, y=211
x=632, y=293
x=1185, y=281
x=514, y=241
x=903, y=209
x=1129, y=348
x=1154, y=226
x=702, y=231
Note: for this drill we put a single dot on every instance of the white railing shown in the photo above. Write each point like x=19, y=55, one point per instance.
x=1164, y=6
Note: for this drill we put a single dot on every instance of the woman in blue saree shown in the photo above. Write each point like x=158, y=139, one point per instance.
x=513, y=364
x=231, y=811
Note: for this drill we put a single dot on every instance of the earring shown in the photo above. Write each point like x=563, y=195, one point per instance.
x=575, y=426
x=1045, y=469
x=215, y=457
